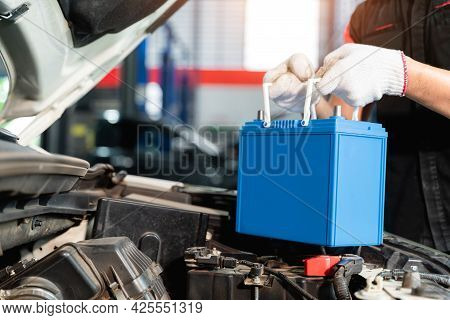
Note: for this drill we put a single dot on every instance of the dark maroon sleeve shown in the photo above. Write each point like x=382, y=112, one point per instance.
x=355, y=27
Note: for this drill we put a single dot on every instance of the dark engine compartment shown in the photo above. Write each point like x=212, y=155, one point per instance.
x=147, y=239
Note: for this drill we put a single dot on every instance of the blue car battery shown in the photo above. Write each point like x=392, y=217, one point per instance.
x=319, y=182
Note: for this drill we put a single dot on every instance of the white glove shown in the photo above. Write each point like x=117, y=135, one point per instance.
x=289, y=83
x=362, y=74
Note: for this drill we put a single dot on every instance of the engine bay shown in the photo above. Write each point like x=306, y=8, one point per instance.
x=124, y=237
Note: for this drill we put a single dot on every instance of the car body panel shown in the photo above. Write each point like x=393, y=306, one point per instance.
x=47, y=73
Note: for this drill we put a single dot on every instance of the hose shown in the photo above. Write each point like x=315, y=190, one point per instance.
x=438, y=278
x=340, y=285
x=441, y=279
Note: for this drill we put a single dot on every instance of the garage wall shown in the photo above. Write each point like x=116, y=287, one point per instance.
x=212, y=37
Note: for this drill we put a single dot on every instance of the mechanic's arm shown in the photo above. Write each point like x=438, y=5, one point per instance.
x=429, y=86
x=361, y=74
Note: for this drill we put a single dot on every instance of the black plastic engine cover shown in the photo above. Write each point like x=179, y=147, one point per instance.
x=64, y=274
x=25, y=171
x=128, y=273
x=109, y=268
x=162, y=233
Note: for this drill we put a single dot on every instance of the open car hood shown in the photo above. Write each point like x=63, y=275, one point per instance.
x=55, y=51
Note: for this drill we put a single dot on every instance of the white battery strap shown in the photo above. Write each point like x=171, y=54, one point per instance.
x=309, y=111
x=267, y=119
x=355, y=115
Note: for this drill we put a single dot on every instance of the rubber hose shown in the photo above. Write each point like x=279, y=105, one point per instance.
x=438, y=278
x=340, y=286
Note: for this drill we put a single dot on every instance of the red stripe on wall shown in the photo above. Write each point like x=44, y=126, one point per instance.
x=215, y=77
x=229, y=77
x=199, y=77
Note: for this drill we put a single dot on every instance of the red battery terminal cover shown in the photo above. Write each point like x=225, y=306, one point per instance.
x=320, y=266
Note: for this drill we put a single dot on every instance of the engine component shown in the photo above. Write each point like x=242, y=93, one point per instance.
x=25, y=171
x=12, y=15
x=441, y=279
x=65, y=269
x=344, y=270
x=128, y=273
x=320, y=266
x=230, y=278
x=229, y=284
x=163, y=233
x=44, y=247
x=413, y=287
x=15, y=269
x=33, y=288
x=216, y=275
x=304, y=293
x=15, y=233
x=201, y=257
x=109, y=268
x=71, y=203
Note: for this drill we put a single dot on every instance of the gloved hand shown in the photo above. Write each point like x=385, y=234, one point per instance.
x=288, y=80
x=362, y=74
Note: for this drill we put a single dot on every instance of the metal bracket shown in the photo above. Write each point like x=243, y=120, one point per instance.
x=14, y=14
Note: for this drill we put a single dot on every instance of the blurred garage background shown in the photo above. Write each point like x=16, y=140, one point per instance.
x=174, y=107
